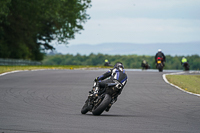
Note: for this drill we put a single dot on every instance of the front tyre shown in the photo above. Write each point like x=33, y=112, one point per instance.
x=103, y=105
x=84, y=109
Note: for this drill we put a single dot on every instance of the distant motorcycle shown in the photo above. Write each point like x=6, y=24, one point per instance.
x=107, y=64
x=100, y=99
x=159, y=65
x=146, y=66
x=186, y=66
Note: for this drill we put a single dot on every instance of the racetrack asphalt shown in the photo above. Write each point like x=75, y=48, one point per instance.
x=50, y=101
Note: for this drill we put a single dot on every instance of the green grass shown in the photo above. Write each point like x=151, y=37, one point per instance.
x=4, y=69
x=189, y=83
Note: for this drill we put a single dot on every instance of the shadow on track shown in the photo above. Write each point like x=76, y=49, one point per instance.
x=110, y=115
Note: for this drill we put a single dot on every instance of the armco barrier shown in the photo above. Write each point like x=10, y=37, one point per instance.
x=13, y=62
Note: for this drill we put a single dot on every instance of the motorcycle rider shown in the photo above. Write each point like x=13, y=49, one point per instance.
x=183, y=61
x=144, y=64
x=107, y=63
x=115, y=75
x=161, y=55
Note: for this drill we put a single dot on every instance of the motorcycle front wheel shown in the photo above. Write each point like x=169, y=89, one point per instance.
x=85, y=109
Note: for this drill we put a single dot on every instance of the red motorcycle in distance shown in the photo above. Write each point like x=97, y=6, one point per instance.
x=159, y=64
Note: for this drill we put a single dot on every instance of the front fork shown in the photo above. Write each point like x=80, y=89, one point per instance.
x=95, y=89
x=93, y=95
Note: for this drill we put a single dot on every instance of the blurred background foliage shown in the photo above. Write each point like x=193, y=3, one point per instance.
x=129, y=61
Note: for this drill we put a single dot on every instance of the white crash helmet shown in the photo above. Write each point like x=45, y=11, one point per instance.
x=159, y=50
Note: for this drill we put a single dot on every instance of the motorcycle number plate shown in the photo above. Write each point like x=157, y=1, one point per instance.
x=159, y=62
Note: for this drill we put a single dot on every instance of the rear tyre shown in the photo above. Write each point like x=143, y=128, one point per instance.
x=187, y=68
x=160, y=68
x=103, y=105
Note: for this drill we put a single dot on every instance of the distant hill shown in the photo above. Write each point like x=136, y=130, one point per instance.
x=173, y=49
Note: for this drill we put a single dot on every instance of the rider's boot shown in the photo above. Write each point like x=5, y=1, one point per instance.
x=112, y=102
x=108, y=108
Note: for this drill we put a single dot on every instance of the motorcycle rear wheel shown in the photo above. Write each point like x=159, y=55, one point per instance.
x=160, y=68
x=103, y=105
x=187, y=68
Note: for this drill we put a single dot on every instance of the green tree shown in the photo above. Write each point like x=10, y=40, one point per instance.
x=27, y=27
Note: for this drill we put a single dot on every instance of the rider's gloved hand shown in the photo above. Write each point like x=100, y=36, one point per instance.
x=96, y=79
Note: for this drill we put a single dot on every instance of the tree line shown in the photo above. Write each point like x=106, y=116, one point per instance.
x=129, y=61
x=27, y=27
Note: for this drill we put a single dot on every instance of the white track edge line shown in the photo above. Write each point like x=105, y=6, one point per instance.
x=2, y=74
x=165, y=79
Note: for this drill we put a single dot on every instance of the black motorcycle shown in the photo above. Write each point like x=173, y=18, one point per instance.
x=186, y=66
x=107, y=64
x=101, y=99
x=145, y=66
x=159, y=64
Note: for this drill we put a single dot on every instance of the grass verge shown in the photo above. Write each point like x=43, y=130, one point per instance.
x=189, y=83
x=4, y=69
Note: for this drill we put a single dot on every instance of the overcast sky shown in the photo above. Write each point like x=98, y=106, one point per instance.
x=141, y=21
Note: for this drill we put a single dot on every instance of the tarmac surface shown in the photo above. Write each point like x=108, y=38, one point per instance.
x=50, y=101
